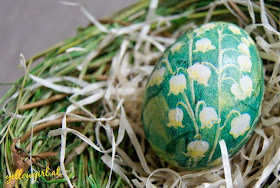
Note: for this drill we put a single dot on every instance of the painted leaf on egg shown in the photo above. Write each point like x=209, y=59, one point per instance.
x=206, y=87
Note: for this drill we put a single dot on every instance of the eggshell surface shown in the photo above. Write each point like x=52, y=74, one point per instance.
x=206, y=87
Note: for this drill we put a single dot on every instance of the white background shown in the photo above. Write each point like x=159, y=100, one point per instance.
x=31, y=26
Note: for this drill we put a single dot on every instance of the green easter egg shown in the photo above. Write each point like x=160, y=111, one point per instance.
x=206, y=87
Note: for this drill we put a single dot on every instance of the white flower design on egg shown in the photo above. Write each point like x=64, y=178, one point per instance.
x=244, y=49
x=246, y=41
x=244, y=63
x=209, y=26
x=208, y=116
x=234, y=29
x=246, y=85
x=157, y=77
x=204, y=28
x=197, y=148
x=204, y=45
x=198, y=31
x=239, y=125
x=175, y=118
x=251, y=40
x=176, y=47
x=242, y=90
x=177, y=84
x=199, y=73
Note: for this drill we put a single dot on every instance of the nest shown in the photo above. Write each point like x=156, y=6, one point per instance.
x=79, y=107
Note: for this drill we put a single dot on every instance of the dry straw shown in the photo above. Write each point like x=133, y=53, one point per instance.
x=82, y=102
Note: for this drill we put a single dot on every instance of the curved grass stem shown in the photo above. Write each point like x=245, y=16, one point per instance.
x=228, y=116
x=197, y=107
x=219, y=94
x=188, y=107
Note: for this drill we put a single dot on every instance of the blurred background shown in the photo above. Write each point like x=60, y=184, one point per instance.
x=31, y=26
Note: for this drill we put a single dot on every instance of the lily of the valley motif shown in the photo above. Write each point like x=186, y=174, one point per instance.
x=199, y=73
x=208, y=26
x=251, y=40
x=244, y=63
x=176, y=47
x=204, y=45
x=235, y=30
x=202, y=113
x=197, y=148
x=244, y=49
x=243, y=89
x=157, y=77
x=177, y=84
x=240, y=125
x=204, y=28
x=175, y=118
x=246, y=41
x=208, y=116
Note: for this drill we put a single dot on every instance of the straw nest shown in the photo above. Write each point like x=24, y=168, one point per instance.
x=79, y=107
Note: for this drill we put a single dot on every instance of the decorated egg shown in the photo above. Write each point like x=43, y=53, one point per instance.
x=206, y=87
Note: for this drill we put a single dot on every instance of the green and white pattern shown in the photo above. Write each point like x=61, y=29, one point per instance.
x=207, y=86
